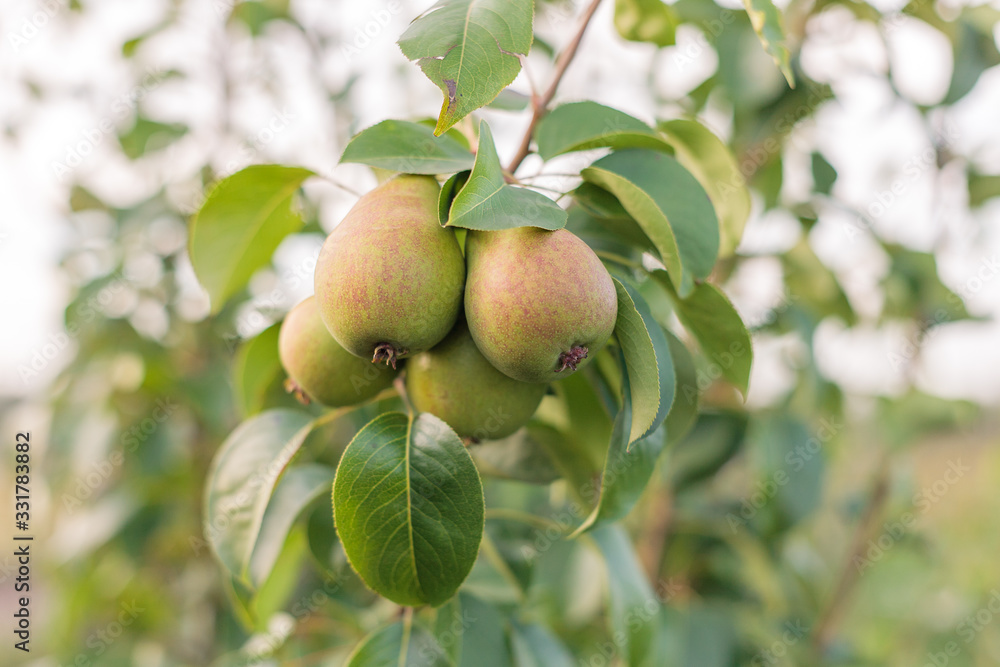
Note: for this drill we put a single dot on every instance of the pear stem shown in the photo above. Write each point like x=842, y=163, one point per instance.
x=388, y=353
x=570, y=359
x=293, y=388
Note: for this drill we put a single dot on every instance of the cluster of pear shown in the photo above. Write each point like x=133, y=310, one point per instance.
x=391, y=284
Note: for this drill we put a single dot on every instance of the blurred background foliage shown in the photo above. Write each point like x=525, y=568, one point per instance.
x=873, y=551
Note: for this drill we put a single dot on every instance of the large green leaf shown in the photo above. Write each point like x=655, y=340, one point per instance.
x=295, y=491
x=240, y=225
x=766, y=21
x=486, y=202
x=411, y=148
x=399, y=645
x=712, y=163
x=584, y=125
x=646, y=21
x=470, y=49
x=634, y=609
x=647, y=360
x=409, y=509
x=242, y=479
x=626, y=469
x=670, y=206
x=710, y=317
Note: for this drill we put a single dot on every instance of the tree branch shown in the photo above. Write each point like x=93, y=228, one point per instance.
x=540, y=104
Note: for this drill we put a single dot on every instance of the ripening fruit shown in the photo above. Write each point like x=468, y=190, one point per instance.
x=321, y=370
x=455, y=382
x=389, y=279
x=538, y=303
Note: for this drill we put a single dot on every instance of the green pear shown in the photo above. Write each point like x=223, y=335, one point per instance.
x=389, y=278
x=321, y=370
x=539, y=304
x=455, y=382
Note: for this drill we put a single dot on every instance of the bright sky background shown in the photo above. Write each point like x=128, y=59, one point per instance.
x=869, y=138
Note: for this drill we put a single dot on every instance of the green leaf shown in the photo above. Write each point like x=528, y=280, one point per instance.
x=296, y=490
x=975, y=51
x=406, y=147
x=712, y=163
x=645, y=21
x=470, y=49
x=535, y=646
x=255, y=369
x=626, y=470
x=789, y=463
x=684, y=410
x=409, y=509
x=710, y=317
x=240, y=225
x=477, y=628
x=584, y=125
x=241, y=481
x=634, y=609
x=451, y=187
x=647, y=361
x=670, y=206
x=983, y=187
x=147, y=135
x=399, y=645
x=487, y=203
x=823, y=173
x=766, y=21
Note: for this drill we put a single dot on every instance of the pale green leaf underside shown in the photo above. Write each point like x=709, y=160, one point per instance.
x=711, y=162
x=766, y=21
x=487, y=203
x=409, y=510
x=242, y=479
x=584, y=125
x=406, y=147
x=240, y=225
x=670, y=206
x=470, y=50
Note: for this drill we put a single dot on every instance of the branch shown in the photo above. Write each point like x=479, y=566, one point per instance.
x=540, y=104
x=825, y=626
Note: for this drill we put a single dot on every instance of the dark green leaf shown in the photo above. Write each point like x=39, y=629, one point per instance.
x=645, y=21
x=714, y=440
x=470, y=49
x=408, y=506
x=242, y=479
x=670, y=206
x=789, y=464
x=240, y=225
x=823, y=174
x=709, y=316
x=712, y=163
x=451, y=187
x=398, y=645
x=684, y=410
x=406, y=147
x=584, y=125
x=486, y=202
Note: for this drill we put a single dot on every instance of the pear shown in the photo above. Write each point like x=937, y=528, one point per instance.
x=321, y=370
x=539, y=303
x=456, y=383
x=389, y=278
